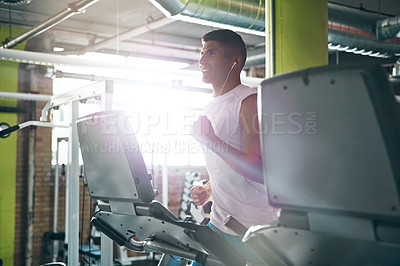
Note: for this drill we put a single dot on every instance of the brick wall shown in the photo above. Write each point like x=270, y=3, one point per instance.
x=44, y=179
x=43, y=191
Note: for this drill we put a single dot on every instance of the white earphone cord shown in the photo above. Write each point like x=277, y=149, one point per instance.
x=227, y=76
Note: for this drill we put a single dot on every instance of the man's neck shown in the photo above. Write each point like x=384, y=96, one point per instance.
x=230, y=85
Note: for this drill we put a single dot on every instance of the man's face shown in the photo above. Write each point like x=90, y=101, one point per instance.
x=213, y=64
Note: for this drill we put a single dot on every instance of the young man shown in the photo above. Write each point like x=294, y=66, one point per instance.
x=229, y=134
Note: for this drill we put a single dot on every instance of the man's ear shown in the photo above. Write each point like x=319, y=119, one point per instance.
x=238, y=59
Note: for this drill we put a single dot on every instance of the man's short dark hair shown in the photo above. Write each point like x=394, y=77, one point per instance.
x=231, y=40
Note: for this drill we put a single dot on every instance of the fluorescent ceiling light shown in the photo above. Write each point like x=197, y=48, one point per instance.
x=133, y=61
x=58, y=49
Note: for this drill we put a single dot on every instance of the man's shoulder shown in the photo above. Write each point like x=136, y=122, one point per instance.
x=243, y=87
x=244, y=91
x=249, y=101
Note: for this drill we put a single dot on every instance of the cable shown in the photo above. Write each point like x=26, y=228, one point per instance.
x=9, y=38
x=82, y=219
x=9, y=18
x=227, y=76
x=90, y=230
x=84, y=182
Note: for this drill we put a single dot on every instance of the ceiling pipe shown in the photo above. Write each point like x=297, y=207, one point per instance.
x=245, y=17
x=362, y=46
x=255, y=57
x=72, y=9
x=241, y=15
x=388, y=28
x=356, y=32
x=349, y=30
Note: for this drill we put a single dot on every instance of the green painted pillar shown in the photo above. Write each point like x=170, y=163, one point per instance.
x=300, y=34
x=8, y=155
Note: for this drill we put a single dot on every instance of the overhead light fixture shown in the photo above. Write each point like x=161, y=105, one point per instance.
x=58, y=49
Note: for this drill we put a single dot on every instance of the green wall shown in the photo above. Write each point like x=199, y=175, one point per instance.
x=8, y=155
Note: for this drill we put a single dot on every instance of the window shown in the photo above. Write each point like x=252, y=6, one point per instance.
x=161, y=108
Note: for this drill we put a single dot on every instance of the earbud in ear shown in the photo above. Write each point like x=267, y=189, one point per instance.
x=234, y=63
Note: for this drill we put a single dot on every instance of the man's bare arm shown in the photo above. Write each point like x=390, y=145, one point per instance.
x=247, y=163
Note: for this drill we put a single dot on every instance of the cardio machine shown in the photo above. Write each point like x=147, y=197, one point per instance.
x=331, y=153
x=129, y=215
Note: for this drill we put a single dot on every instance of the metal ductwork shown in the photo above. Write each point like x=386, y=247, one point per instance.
x=349, y=30
x=388, y=28
x=256, y=57
x=362, y=46
x=359, y=32
x=241, y=15
x=72, y=9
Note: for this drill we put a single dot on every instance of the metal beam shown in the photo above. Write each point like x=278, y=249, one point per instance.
x=72, y=9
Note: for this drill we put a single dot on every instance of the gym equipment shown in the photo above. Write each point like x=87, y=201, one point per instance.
x=331, y=154
x=117, y=175
x=184, y=210
x=331, y=146
x=101, y=91
x=188, y=210
x=7, y=130
x=90, y=254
